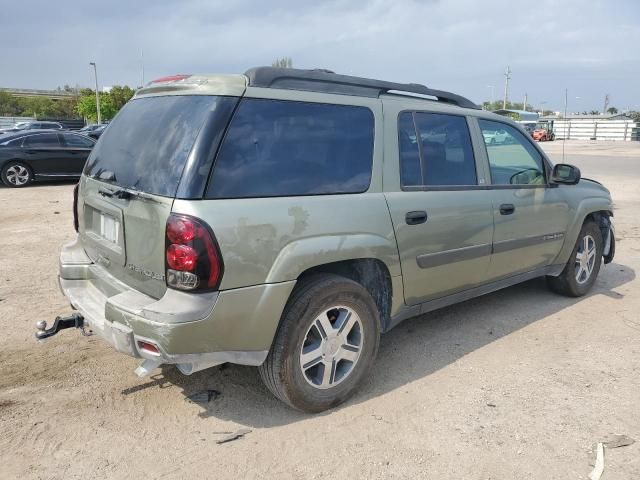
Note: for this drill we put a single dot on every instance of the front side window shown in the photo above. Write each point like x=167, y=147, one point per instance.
x=513, y=160
x=435, y=150
x=42, y=140
x=281, y=148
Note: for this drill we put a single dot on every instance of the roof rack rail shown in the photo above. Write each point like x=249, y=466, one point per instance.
x=326, y=81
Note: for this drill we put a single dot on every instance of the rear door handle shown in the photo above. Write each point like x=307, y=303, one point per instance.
x=507, y=209
x=416, y=217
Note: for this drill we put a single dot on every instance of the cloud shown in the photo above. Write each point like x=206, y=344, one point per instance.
x=461, y=45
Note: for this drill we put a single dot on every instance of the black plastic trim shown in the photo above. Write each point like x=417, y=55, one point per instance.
x=195, y=175
x=445, y=301
x=507, y=245
x=430, y=260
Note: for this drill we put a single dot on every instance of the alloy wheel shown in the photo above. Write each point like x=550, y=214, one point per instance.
x=331, y=347
x=585, y=259
x=17, y=175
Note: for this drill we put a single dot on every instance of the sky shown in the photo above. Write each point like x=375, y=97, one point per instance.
x=589, y=47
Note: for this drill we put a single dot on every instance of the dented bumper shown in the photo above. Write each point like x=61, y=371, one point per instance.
x=193, y=331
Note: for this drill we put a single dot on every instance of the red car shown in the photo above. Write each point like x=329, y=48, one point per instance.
x=543, y=135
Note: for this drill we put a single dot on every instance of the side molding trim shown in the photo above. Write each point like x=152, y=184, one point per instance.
x=483, y=289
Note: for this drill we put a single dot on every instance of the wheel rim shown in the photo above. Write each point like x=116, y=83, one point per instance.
x=585, y=259
x=331, y=347
x=17, y=175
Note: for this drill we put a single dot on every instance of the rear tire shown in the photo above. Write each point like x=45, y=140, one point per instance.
x=582, y=269
x=326, y=343
x=16, y=175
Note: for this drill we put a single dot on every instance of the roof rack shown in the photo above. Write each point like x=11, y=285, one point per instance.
x=326, y=81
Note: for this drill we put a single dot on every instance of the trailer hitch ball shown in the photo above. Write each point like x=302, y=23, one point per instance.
x=74, y=320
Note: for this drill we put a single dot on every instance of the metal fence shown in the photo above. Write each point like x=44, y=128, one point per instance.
x=587, y=129
x=72, y=124
x=7, y=122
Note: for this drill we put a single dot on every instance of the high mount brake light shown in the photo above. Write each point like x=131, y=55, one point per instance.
x=192, y=260
x=169, y=78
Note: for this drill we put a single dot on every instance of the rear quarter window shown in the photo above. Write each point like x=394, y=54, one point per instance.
x=281, y=148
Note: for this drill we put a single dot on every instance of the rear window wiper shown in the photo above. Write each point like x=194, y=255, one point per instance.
x=126, y=194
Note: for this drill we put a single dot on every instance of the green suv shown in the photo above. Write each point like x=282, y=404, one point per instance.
x=286, y=218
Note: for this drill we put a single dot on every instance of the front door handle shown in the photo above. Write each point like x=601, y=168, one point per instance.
x=416, y=217
x=507, y=209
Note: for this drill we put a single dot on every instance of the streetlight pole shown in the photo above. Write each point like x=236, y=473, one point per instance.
x=95, y=74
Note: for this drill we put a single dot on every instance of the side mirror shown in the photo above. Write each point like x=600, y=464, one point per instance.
x=565, y=174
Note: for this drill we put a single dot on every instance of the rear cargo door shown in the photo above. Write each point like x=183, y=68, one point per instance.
x=130, y=181
x=125, y=235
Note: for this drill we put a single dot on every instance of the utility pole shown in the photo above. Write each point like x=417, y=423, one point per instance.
x=524, y=103
x=606, y=104
x=507, y=77
x=95, y=74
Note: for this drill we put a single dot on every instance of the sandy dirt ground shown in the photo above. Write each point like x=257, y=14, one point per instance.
x=517, y=384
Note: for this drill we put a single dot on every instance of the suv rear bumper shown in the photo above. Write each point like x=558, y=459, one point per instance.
x=194, y=331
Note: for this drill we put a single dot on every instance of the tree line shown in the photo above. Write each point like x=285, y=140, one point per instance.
x=81, y=104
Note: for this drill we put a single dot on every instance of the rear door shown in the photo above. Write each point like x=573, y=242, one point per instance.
x=530, y=216
x=76, y=149
x=44, y=153
x=440, y=211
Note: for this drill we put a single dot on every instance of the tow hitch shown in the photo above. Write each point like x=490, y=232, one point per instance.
x=74, y=320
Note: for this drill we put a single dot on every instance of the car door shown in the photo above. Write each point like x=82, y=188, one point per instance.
x=76, y=149
x=530, y=216
x=44, y=154
x=440, y=212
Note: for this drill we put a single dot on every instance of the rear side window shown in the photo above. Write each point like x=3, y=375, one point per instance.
x=42, y=140
x=280, y=148
x=77, y=141
x=146, y=146
x=435, y=150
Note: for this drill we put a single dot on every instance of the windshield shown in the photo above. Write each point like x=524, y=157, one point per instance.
x=146, y=146
x=21, y=125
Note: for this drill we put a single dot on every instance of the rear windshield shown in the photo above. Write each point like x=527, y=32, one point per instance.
x=281, y=148
x=146, y=146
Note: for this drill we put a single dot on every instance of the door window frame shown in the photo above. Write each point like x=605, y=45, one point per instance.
x=481, y=176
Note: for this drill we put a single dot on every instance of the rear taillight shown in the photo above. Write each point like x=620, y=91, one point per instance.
x=192, y=259
x=75, y=206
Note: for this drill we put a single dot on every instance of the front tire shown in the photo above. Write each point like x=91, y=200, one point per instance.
x=583, y=266
x=16, y=175
x=326, y=343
